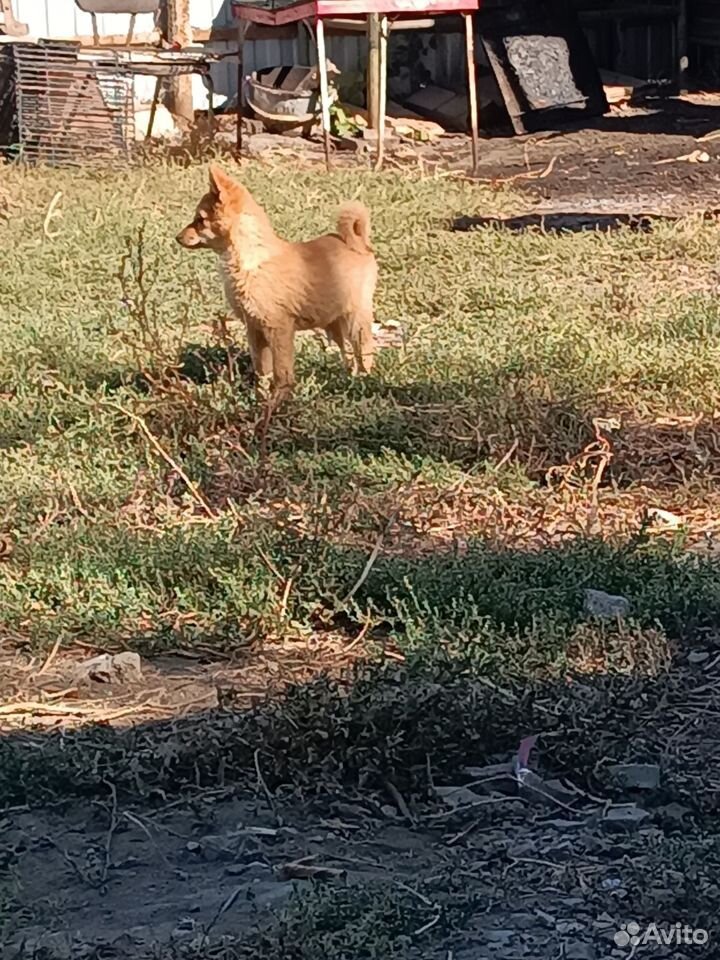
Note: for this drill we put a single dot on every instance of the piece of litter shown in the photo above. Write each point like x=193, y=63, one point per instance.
x=695, y=156
x=664, y=517
x=523, y=755
x=301, y=870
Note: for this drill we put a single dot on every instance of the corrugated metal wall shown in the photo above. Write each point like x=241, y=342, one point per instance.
x=637, y=38
x=705, y=40
x=61, y=18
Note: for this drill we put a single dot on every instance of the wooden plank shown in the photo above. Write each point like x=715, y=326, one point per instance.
x=311, y=9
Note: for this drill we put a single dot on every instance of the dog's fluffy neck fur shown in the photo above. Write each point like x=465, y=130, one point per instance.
x=253, y=243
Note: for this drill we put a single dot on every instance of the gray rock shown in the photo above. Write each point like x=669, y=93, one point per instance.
x=107, y=668
x=642, y=776
x=606, y=606
x=624, y=816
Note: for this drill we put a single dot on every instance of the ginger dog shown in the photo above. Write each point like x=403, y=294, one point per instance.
x=277, y=287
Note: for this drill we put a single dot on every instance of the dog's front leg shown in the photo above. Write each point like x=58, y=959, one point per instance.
x=261, y=355
x=282, y=345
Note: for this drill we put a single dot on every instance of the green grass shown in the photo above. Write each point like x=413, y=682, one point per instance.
x=515, y=343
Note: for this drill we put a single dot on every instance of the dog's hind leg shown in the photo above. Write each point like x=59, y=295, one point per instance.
x=338, y=333
x=363, y=341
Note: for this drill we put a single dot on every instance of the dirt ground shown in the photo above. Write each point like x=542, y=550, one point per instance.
x=502, y=877
x=628, y=161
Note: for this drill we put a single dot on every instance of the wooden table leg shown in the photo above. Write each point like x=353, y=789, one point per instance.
x=242, y=31
x=324, y=88
x=472, y=88
x=153, y=108
x=682, y=46
x=382, y=90
x=373, y=71
x=211, y=102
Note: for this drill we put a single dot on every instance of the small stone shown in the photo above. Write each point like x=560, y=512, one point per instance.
x=698, y=656
x=624, y=816
x=674, y=811
x=579, y=951
x=250, y=870
x=193, y=847
x=558, y=823
x=499, y=936
x=388, y=811
x=606, y=606
x=128, y=667
x=642, y=776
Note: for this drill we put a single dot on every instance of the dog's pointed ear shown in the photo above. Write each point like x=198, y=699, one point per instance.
x=222, y=185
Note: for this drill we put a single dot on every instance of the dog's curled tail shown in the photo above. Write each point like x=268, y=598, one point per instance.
x=353, y=226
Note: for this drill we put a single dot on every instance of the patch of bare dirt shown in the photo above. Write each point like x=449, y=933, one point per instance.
x=629, y=161
x=54, y=691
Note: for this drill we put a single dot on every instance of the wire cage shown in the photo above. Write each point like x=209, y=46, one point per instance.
x=73, y=108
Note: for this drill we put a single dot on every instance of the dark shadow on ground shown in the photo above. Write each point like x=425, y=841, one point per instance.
x=206, y=812
x=561, y=222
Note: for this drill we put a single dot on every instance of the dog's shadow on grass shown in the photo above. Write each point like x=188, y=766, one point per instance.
x=197, y=363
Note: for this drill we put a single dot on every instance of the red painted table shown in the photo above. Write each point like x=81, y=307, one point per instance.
x=316, y=12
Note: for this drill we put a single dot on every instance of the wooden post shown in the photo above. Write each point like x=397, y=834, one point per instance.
x=179, y=31
x=682, y=47
x=324, y=88
x=472, y=87
x=243, y=26
x=384, y=32
x=373, y=69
